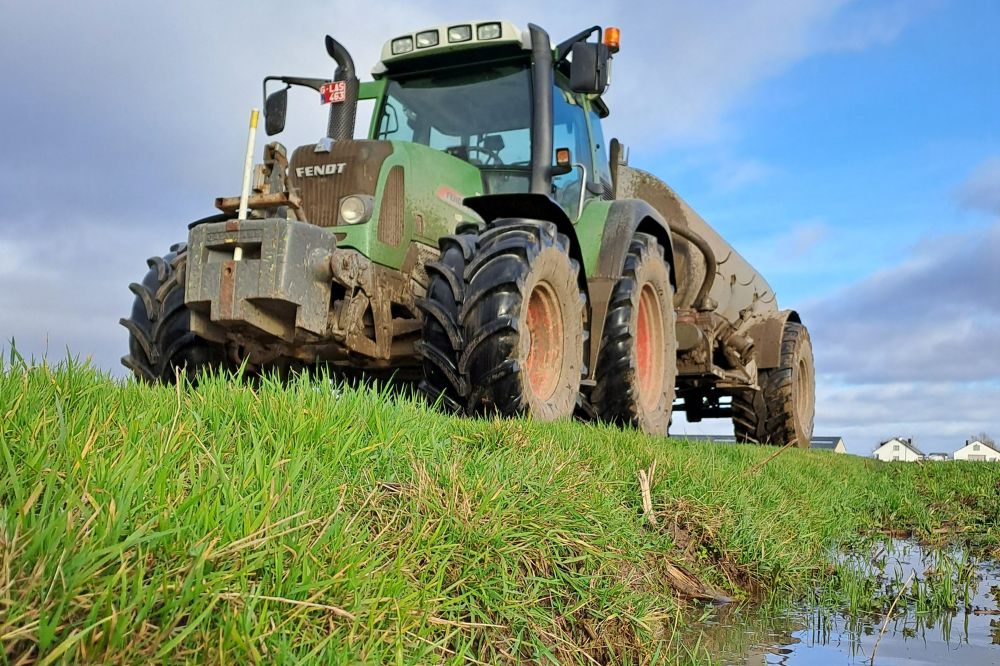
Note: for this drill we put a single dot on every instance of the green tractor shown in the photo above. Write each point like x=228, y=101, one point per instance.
x=484, y=242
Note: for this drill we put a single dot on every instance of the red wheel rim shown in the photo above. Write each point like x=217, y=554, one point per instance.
x=649, y=347
x=545, y=349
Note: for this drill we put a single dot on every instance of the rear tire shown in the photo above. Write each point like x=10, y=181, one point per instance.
x=782, y=410
x=523, y=322
x=637, y=362
x=442, y=341
x=161, y=343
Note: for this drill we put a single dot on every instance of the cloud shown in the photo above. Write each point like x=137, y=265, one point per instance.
x=935, y=317
x=981, y=191
x=939, y=416
x=912, y=350
x=870, y=25
x=732, y=175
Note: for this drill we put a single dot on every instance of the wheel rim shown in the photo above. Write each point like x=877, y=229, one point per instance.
x=649, y=347
x=545, y=350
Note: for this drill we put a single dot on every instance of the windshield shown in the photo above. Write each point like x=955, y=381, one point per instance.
x=483, y=117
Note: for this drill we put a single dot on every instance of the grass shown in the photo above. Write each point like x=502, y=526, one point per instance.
x=288, y=523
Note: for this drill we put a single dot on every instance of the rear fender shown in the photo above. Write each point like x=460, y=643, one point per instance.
x=766, y=331
x=626, y=217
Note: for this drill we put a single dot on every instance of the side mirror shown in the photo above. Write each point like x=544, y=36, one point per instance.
x=275, y=108
x=588, y=73
x=564, y=162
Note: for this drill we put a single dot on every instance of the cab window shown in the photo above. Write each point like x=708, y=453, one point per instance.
x=569, y=130
x=602, y=167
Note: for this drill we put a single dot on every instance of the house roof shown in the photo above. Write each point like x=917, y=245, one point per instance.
x=825, y=442
x=994, y=446
x=908, y=443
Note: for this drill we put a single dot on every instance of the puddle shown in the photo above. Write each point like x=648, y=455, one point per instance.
x=947, y=613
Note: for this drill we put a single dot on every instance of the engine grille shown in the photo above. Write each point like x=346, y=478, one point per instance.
x=390, y=217
x=329, y=182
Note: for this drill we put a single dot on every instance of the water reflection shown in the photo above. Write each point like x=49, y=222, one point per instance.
x=948, y=612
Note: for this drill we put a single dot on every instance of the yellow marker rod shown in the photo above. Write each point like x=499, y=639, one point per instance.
x=247, y=170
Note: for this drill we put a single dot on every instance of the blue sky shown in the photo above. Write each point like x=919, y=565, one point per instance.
x=850, y=149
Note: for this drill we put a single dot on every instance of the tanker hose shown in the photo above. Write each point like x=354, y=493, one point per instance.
x=700, y=300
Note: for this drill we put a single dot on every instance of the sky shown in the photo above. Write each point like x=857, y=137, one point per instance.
x=850, y=150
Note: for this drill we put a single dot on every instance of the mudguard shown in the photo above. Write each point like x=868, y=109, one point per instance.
x=529, y=206
x=625, y=218
x=766, y=330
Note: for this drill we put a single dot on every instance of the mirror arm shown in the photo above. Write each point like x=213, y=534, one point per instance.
x=289, y=81
x=315, y=84
x=565, y=47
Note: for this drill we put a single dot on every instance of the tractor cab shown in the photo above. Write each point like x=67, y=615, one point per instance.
x=475, y=92
x=524, y=114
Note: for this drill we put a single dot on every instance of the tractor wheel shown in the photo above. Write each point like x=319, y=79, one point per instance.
x=441, y=343
x=637, y=361
x=160, y=339
x=523, y=321
x=781, y=411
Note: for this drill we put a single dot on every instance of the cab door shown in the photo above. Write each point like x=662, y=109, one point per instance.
x=570, y=131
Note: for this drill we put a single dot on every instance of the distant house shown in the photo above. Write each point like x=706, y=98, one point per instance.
x=975, y=449
x=899, y=449
x=835, y=444
x=938, y=456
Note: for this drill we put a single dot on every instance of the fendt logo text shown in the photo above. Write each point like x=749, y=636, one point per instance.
x=320, y=170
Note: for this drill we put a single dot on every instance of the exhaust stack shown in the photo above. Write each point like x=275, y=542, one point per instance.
x=341, y=123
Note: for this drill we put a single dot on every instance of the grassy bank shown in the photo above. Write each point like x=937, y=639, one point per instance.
x=228, y=524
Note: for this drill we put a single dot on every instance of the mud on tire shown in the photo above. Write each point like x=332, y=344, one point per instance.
x=637, y=363
x=160, y=339
x=782, y=410
x=442, y=341
x=523, y=321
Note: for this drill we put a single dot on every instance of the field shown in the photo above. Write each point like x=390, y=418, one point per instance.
x=282, y=523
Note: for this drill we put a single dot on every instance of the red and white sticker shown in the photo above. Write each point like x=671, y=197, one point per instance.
x=335, y=92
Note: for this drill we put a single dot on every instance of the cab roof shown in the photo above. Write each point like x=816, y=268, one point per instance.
x=450, y=44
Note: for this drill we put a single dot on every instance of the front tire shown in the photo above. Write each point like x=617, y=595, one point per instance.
x=523, y=322
x=161, y=343
x=442, y=341
x=782, y=410
x=637, y=362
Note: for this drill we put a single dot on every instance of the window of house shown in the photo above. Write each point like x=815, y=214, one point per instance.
x=895, y=447
x=975, y=447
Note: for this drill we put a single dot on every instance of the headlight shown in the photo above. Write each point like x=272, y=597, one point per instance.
x=426, y=39
x=460, y=33
x=355, y=209
x=488, y=31
x=402, y=45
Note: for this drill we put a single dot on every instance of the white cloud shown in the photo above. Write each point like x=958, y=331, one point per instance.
x=731, y=175
x=938, y=416
x=935, y=317
x=981, y=191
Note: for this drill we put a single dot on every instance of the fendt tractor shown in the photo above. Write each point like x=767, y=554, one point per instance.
x=485, y=243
